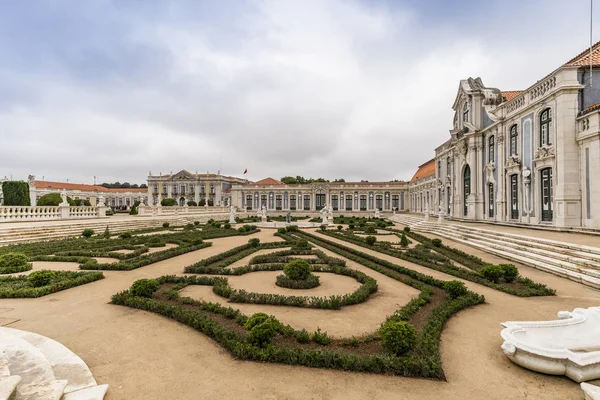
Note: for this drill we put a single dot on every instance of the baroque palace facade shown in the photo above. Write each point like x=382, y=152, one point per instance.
x=524, y=157
x=342, y=196
x=184, y=186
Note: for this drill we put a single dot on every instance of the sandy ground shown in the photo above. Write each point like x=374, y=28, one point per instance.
x=145, y=356
x=106, y=260
x=157, y=249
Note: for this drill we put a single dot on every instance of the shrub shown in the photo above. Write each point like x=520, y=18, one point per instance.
x=321, y=337
x=255, y=319
x=301, y=244
x=12, y=260
x=53, y=200
x=492, y=272
x=165, y=224
x=436, y=242
x=216, y=224
x=339, y=227
x=172, y=294
x=297, y=269
x=254, y=242
x=196, y=223
x=312, y=281
x=370, y=240
x=241, y=229
x=323, y=227
x=168, y=202
x=144, y=287
x=106, y=233
x=192, y=203
x=125, y=235
x=407, y=229
x=404, y=240
x=281, y=230
x=189, y=227
x=292, y=228
x=41, y=278
x=263, y=334
x=350, y=226
x=87, y=233
x=509, y=272
x=202, y=202
x=302, y=336
x=370, y=229
x=455, y=289
x=398, y=337
x=227, y=225
x=16, y=193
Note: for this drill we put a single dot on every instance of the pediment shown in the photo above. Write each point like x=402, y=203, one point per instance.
x=182, y=176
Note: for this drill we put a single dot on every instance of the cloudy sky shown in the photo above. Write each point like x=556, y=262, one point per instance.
x=334, y=88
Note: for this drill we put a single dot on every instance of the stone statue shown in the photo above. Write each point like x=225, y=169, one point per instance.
x=377, y=214
x=232, y=214
x=30, y=179
x=324, y=211
x=263, y=214
x=288, y=218
x=63, y=196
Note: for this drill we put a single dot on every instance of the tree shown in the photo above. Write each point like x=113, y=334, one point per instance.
x=339, y=180
x=16, y=193
x=53, y=200
x=135, y=186
x=143, y=185
x=168, y=202
x=125, y=185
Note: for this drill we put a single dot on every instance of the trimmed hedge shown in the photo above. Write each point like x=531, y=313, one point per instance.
x=16, y=193
x=310, y=282
x=18, y=286
x=11, y=263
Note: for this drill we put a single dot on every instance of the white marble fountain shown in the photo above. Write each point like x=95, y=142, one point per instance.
x=569, y=346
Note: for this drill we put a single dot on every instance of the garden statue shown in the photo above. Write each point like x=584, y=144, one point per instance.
x=377, y=214
x=324, y=211
x=232, y=214
x=330, y=217
x=63, y=197
x=288, y=218
x=263, y=214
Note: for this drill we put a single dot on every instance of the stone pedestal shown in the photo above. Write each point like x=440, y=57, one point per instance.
x=263, y=218
x=101, y=211
x=64, y=211
x=441, y=216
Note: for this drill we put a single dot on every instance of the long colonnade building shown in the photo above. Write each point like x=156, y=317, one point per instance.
x=342, y=196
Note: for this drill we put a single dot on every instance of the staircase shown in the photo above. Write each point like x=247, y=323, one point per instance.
x=40, y=231
x=34, y=367
x=576, y=262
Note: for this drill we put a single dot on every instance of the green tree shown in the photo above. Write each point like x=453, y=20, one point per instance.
x=16, y=193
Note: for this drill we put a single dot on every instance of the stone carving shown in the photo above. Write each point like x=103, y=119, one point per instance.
x=232, y=214
x=63, y=197
x=513, y=161
x=592, y=392
x=263, y=214
x=543, y=87
x=324, y=211
x=544, y=152
x=569, y=346
x=288, y=218
x=30, y=179
x=463, y=148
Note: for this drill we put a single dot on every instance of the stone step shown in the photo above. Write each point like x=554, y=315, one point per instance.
x=560, y=255
x=591, y=392
x=51, y=390
x=65, y=364
x=8, y=386
x=91, y=393
x=526, y=260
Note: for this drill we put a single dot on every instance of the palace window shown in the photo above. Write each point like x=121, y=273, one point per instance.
x=334, y=201
x=491, y=149
x=363, y=202
x=249, y=202
x=448, y=166
x=514, y=196
x=348, y=202
x=371, y=205
x=545, y=127
x=212, y=188
x=202, y=190
x=396, y=202
x=466, y=189
x=263, y=201
x=191, y=188
x=155, y=189
x=278, y=200
x=513, y=140
x=271, y=201
x=491, y=200
x=182, y=189
x=387, y=200
x=306, y=202
x=439, y=168
x=293, y=202
x=379, y=202
x=466, y=112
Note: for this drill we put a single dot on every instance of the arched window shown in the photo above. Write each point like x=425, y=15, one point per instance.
x=439, y=168
x=448, y=166
x=514, y=136
x=545, y=127
x=466, y=188
x=466, y=112
x=491, y=149
x=514, y=196
x=491, y=200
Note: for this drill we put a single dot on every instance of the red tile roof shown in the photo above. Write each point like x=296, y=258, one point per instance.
x=591, y=108
x=424, y=170
x=268, y=181
x=511, y=94
x=84, y=187
x=583, y=58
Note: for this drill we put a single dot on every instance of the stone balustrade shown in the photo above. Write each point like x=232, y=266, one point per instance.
x=179, y=210
x=45, y=213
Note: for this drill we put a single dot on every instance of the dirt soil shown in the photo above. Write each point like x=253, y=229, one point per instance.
x=146, y=356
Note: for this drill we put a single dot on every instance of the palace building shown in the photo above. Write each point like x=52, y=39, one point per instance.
x=529, y=156
x=343, y=196
x=211, y=189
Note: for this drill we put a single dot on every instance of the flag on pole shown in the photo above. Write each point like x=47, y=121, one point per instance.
x=246, y=170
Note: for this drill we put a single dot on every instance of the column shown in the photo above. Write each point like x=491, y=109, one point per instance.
x=197, y=192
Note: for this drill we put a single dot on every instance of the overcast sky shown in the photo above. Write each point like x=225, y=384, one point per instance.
x=319, y=88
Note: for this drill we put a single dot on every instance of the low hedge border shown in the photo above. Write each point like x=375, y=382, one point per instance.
x=309, y=283
x=71, y=279
x=15, y=269
x=229, y=257
x=533, y=289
